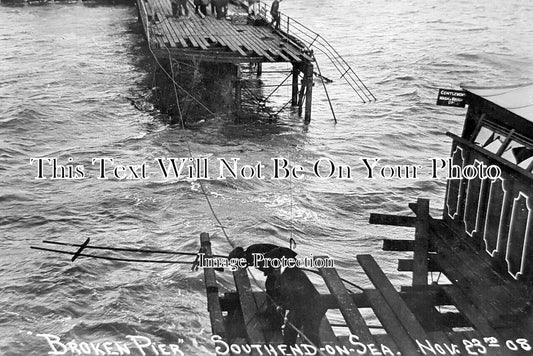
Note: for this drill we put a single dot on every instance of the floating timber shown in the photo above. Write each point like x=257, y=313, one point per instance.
x=482, y=246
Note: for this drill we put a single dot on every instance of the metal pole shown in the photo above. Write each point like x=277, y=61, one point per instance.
x=327, y=94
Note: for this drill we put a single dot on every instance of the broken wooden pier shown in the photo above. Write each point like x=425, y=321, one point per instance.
x=239, y=41
x=230, y=41
x=472, y=270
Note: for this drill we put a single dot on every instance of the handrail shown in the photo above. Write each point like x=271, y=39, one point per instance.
x=303, y=36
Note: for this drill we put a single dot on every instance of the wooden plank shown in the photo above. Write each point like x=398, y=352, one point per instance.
x=230, y=35
x=349, y=310
x=395, y=327
x=281, y=44
x=378, y=278
x=472, y=313
x=185, y=32
x=396, y=220
x=407, y=265
x=248, y=306
x=230, y=300
x=168, y=33
x=420, y=266
x=255, y=41
x=246, y=40
x=213, y=33
x=386, y=340
x=191, y=26
x=326, y=333
x=180, y=38
x=465, y=341
x=213, y=302
x=381, y=339
x=271, y=336
x=215, y=26
x=499, y=297
x=398, y=245
x=180, y=34
x=390, y=322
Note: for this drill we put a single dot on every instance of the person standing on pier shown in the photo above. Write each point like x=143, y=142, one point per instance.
x=276, y=15
x=253, y=7
x=178, y=6
x=202, y=4
x=221, y=7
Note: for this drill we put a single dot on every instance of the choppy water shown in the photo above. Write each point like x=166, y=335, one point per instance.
x=67, y=72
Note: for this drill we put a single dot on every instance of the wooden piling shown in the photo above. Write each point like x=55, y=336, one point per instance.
x=421, y=246
x=301, y=97
x=238, y=90
x=295, y=74
x=308, y=92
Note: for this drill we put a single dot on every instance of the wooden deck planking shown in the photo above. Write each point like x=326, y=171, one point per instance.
x=466, y=307
x=391, y=323
x=408, y=320
x=196, y=32
x=211, y=35
x=378, y=278
x=164, y=26
x=296, y=56
x=326, y=333
x=249, y=306
x=213, y=302
x=262, y=32
x=473, y=271
x=227, y=28
x=176, y=34
x=349, y=310
x=256, y=42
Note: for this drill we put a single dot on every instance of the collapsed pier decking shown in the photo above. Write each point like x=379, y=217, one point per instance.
x=213, y=40
x=206, y=39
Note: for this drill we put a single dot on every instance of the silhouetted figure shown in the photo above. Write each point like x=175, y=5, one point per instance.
x=253, y=7
x=202, y=5
x=179, y=8
x=288, y=290
x=295, y=293
x=221, y=8
x=276, y=15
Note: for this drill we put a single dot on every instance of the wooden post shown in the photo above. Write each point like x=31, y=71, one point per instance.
x=295, y=73
x=420, y=266
x=259, y=69
x=308, y=92
x=213, y=302
x=238, y=94
x=301, y=97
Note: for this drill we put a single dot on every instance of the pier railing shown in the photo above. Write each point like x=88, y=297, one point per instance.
x=495, y=214
x=301, y=35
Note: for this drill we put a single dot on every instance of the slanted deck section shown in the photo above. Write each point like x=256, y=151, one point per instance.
x=478, y=308
x=229, y=40
x=491, y=313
